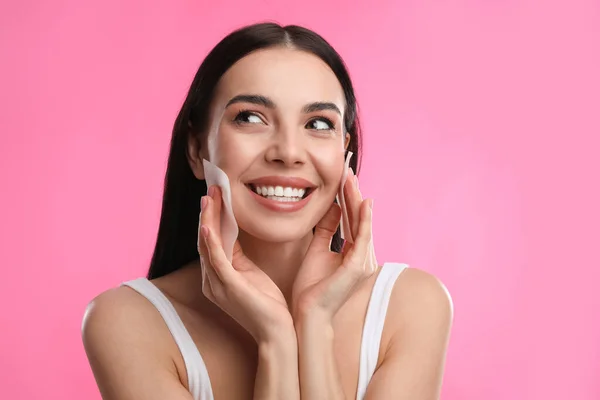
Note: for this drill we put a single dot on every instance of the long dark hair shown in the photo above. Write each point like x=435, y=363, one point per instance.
x=178, y=229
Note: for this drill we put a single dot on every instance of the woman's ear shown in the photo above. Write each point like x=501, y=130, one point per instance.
x=195, y=156
x=346, y=141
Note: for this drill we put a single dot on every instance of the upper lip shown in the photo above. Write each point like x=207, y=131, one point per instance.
x=283, y=181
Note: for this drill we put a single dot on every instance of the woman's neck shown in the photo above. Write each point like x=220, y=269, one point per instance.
x=280, y=261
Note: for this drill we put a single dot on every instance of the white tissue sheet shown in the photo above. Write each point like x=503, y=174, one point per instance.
x=229, y=228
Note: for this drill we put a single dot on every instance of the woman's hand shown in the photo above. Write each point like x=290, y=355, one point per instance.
x=323, y=284
x=327, y=279
x=239, y=288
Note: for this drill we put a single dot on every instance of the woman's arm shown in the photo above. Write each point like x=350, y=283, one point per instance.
x=277, y=374
x=413, y=365
x=126, y=349
x=319, y=376
x=420, y=316
x=127, y=345
x=252, y=299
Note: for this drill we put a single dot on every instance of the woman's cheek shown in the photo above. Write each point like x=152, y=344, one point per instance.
x=229, y=149
x=330, y=166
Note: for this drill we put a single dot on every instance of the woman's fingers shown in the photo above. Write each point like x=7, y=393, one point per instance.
x=353, y=268
x=327, y=227
x=215, y=194
x=217, y=270
x=358, y=256
x=216, y=257
x=207, y=284
x=353, y=201
x=215, y=285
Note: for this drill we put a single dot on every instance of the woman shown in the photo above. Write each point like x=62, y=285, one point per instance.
x=292, y=314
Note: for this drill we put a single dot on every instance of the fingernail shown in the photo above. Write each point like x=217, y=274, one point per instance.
x=211, y=191
x=203, y=202
x=371, y=203
x=204, y=232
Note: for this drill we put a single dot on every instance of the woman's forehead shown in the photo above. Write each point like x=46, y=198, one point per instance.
x=289, y=77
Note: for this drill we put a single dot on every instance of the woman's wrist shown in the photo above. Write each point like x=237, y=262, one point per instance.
x=277, y=375
x=284, y=337
x=284, y=349
x=316, y=323
x=278, y=335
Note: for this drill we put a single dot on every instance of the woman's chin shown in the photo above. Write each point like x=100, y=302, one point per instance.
x=275, y=234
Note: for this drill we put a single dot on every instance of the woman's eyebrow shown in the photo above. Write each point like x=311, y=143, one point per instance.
x=320, y=106
x=266, y=102
x=253, y=99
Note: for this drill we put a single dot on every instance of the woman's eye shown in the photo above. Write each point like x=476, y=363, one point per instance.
x=320, y=124
x=248, y=118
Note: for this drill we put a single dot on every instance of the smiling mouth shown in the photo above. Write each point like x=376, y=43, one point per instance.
x=280, y=193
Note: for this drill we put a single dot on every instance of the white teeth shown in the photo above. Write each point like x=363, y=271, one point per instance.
x=280, y=193
x=284, y=199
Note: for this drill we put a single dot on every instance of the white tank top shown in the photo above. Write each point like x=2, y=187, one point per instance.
x=198, y=379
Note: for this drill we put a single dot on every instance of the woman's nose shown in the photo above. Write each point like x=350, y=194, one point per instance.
x=288, y=148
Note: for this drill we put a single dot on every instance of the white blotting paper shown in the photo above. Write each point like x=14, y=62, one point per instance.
x=229, y=228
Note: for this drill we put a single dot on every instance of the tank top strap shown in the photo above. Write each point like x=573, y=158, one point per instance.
x=374, y=323
x=197, y=374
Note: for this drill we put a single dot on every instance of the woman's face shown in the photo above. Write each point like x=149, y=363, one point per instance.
x=276, y=129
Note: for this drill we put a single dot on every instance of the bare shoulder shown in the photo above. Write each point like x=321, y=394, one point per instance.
x=126, y=343
x=418, y=292
x=420, y=308
x=119, y=312
x=415, y=339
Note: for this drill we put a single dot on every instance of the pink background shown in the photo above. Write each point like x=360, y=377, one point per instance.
x=481, y=123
